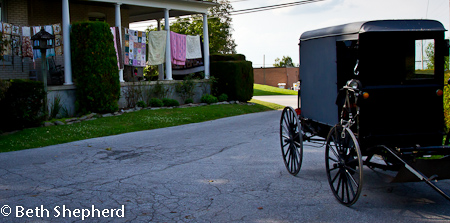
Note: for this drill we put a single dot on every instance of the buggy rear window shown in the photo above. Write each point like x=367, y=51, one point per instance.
x=423, y=66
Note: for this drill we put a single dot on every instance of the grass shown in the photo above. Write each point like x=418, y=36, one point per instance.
x=261, y=90
x=128, y=122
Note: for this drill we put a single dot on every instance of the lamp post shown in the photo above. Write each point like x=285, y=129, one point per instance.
x=43, y=41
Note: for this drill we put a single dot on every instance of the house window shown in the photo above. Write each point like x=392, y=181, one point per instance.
x=3, y=11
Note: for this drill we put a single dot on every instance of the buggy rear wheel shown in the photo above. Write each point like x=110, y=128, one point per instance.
x=291, y=140
x=344, y=165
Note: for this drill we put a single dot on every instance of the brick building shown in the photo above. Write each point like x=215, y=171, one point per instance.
x=272, y=76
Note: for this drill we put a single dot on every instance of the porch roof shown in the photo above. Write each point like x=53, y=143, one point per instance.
x=142, y=10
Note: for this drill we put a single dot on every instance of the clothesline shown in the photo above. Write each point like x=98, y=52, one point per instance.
x=182, y=48
x=20, y=39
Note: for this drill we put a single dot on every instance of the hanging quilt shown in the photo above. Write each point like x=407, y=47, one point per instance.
x=135, y=48
x=27, y=49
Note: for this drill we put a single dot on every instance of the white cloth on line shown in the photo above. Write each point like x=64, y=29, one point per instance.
x=193, y=47
x=157, y=47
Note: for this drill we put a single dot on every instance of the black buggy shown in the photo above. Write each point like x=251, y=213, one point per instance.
x=367, y=95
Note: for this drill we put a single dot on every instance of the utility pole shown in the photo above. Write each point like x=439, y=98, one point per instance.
x=264, y=67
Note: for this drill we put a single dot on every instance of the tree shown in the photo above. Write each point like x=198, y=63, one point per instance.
x=286, y=61
x=429, y=51
x=219, y=27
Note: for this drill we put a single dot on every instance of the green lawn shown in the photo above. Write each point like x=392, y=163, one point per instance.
x=128, y=122
x=261, y=90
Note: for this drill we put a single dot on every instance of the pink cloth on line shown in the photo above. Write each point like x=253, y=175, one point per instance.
x=178, y=48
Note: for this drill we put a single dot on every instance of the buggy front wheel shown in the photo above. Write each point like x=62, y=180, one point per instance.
x=344, y=165
x=291, y=140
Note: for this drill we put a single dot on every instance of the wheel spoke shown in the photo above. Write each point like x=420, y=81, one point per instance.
x=350, y=183
x=352, y=179
x=285, y=128
x=337, y=174
x=330, y=158
x=349, y=168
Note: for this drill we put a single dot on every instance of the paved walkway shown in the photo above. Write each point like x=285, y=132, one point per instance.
x=227, y=170
x=286, y=100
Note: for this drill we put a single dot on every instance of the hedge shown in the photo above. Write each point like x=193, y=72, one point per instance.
x=234, y=76
x=94, y=67
x=22, y=105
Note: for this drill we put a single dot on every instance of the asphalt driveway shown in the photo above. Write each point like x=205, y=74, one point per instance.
x=217, y=171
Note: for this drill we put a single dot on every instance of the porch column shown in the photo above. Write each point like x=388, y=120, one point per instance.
x=168, y=55
x=66, y=43
x=161, y=66
x=206, y=45
x=119, y=25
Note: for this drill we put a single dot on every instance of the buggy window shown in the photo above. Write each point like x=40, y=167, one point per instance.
x=423, y=62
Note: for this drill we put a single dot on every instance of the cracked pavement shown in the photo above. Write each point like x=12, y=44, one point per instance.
x=227, y=170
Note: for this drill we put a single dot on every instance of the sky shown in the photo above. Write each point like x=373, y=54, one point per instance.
x=264, y=36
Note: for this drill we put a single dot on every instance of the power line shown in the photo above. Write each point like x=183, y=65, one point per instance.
x=272, y=7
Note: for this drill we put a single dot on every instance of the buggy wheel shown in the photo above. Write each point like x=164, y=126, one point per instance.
x=291, y=140
x=344, y=165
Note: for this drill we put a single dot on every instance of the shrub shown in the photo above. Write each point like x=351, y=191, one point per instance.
x=155, y=102
x=223, y=97
x=94, y=64
x=23, y=105
x=57, y=110
x=4, y=85
x=189, y=101
x=235, y=78
x=186, y=88
x=170, y=102
x=160, y=90
x=209, y=99
x=141, y=104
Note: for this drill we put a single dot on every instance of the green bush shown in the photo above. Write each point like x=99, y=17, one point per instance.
x=23, y=105
x=155, y=102
x=227, y=57
x=209, y=99
x=170, y=102
x=186, y=88
x=189, y=101
x=223, y=97
x=141, y=104
x=94, y=66
x=4, y=85
x=234, y=78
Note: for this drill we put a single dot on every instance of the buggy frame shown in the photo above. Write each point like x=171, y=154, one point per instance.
x=375, y=112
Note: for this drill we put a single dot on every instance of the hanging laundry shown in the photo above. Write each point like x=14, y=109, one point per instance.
x=51, y=51
x=36, y=53
x=193, y=47
x=7, y=50
x=157, y=47
x=6, y=28
x=57, y=29
x=27, y=49
x=178, y=48
x=117, y=46
x=58, y=50
x=135, y=48
x=15, y=30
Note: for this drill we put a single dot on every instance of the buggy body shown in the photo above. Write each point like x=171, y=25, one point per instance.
x=368, y=89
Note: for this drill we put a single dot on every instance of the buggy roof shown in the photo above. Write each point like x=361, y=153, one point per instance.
x=374, y=26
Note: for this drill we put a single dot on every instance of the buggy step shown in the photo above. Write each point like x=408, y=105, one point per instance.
x=441, y=165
